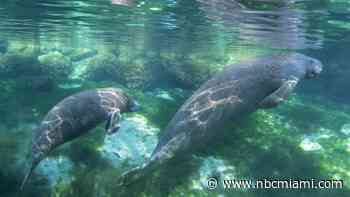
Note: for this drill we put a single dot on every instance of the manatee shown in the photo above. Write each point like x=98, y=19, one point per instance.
x=229, y=96
x=75, y=116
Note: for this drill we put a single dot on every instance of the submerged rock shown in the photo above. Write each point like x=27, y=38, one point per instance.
x=134, y=142
x=102, y=67
x=135, y=74
x=20, y=60
x=37, y=83
x=68, y=86
x=348, y=146
x=57, y=170
x=310, y=145
x=192, y=69
x=163, y=95
x=47, y=46
x=109, y=67
x=31, y=71
x=55, y=65
x=345, y=129
x=82, y=53
x=212, y=167
x=185, y=73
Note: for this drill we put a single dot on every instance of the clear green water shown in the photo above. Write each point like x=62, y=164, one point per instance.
x=160, y=52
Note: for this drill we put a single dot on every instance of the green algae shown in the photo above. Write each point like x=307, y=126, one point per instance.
x=267, y=144
x=56, y=65
x=193, y=68
x=103, y=65
x=298, y=109
x=264, y=145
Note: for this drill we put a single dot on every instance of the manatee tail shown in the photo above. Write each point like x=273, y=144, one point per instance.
x=27, y=176
x=135, y=175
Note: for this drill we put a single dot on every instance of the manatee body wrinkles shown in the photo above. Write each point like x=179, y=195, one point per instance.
x=229, y=96
x=75, y=116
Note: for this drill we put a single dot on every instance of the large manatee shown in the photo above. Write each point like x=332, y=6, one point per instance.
x=230, y=95
x=75, y=116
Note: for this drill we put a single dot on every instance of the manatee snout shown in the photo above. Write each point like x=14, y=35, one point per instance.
x=314, y=68
x=134, y=106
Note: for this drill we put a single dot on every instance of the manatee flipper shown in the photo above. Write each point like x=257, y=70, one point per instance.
x=113, y=120
x=280, y=94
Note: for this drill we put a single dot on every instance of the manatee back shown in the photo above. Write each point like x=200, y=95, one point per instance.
x=227, y=97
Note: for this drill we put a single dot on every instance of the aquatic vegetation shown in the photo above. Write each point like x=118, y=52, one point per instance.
x=107, y=66
x=267, y=144
x=152, y=105
x=80, y=54
x=56, y=66
x=57, y=170
x=188, y=69
x=19, y=60
x=135, y=74
x=24, y=49
x=244, y=151
x=193, y=69
x=103, y=67
x=319, y=115
x=31, y=70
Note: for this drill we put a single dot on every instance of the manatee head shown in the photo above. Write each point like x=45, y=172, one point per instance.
x=312, y=66
x=129, y=104
x=133, y=105
x=303, y=66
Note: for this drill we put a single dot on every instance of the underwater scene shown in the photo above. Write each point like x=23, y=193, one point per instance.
x=192, y=98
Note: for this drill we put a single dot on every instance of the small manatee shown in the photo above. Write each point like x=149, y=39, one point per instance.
x=75, y=116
